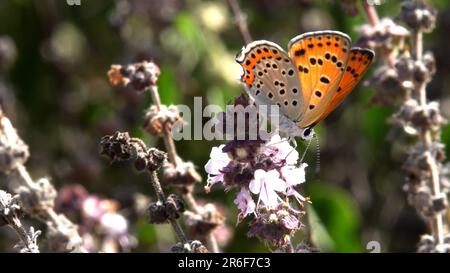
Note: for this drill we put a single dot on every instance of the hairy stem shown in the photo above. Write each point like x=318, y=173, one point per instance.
x=436, y=221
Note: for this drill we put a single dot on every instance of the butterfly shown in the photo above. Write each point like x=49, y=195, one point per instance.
x=307, y=83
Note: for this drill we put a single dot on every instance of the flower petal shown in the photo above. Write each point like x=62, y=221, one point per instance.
x=218, y=160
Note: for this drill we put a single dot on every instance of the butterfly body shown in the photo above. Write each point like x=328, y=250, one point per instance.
x=308, y=82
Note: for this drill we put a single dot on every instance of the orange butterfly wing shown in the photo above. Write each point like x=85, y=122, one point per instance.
x=320, y=58
x=358, y=62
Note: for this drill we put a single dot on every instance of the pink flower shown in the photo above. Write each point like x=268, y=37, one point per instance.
x=114, y=224
x=218, y=160
x=294, y=176
x=92, y=208
x=266, y=184
x=245, y=203
x=281, y=149
x=291, y=222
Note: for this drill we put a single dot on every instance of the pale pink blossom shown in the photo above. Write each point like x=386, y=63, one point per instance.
x=218, y=160
x=245, y=203
x=266, y=184
x=281, y=149
x=291, y=222
x=114, y=224
x=294, y=176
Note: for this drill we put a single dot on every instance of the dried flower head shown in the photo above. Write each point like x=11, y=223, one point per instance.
x=190, y=247
x=418, y=15
x=205, y=220
x=13, y=151
x=40, y=199
x=427, y=244
x=381, y=35
x=275, y=225
x=183, y=175
x=160, y=213
x=138, y=75
x=64, y=237
x=122, y=147
x=158, y=118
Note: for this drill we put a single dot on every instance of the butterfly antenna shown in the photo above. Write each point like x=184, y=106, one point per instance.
x=317, y=154
x=306, y=150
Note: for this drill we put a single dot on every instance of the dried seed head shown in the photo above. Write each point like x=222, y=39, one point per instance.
x=65, y=237
x=190, y=247
x=138, y=75
x=40, y=199
x=382, y=35
x=156, y=159
x=122, y=147
x=421, y=73
x=418, y=15
x=157, y=213
x=159, y=117
x=387, y=87
x=160, y=213
x=183, y=175
x=429, y=62
x=204, y=221
x=13, y=151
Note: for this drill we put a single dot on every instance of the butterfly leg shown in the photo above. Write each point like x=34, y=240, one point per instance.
x=292, y=141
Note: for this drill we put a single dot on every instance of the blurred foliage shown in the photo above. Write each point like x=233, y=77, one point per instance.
x=61, y=102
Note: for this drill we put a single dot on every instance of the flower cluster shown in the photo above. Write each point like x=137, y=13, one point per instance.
x=102, y=227
x=266, y=175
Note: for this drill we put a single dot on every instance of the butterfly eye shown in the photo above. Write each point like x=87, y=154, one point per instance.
x=307, y=133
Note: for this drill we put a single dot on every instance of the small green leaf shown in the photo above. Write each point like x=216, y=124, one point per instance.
x=334, y=219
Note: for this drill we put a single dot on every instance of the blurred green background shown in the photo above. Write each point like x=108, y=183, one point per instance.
x=58, y=96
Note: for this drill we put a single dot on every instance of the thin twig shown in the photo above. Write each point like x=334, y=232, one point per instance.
x=371, y=13
x=241, y=20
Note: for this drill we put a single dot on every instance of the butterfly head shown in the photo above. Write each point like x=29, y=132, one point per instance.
x=307, y=133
